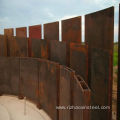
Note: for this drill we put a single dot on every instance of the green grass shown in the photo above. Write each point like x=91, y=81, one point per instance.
x=115, y=55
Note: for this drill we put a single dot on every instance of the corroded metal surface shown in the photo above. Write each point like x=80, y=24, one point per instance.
x=8, y=32
x=34, y=33
x=29, y=78
x=10, y=40
x=79, y=59
x=118, y=83
x=65, y=93
x=71, y=30
x=51, y=31
x=58, y=52
x=99, y=29
x=44, y=49
x=21, y=32
x=3, y=46
x=81, y=98
x=48, y=87
x=9, y=75
x=101, y=83
x=21, y=46
x=36, y=48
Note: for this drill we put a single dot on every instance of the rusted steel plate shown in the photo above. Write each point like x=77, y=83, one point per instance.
x=29, y=78
x=44, y=49
x=118, y=82
x=21, y=46
x=9, y=32
x=99, y=29
x=48, y=87
x=36, y=48
x=51, y=31
x=101, y=83
x=21, y=32
x=9, y=75
x=65, y=93
x=81, y=98
x=3, y=46
x=10, y=41
x=79, y=59
x=34, y=33
x=58, y=52
x=71, y=30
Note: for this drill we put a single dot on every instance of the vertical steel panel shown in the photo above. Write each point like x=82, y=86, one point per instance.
x=21, y=46
x=3, y=46
x=58, y=52
x=48, y=87
x=65, y=93
x=71, y=32
x=99, y=31
x=9, y=75
x=29, y=78
x=34, y=33
x=8, y=32
x=101, y=84
x=10, y=46
x=36, y=48
x=44, y=46
x=21, y=32
x=39, y=48
x=118, y=83
x=81, y=98
x=51, y=31
x=79, y=59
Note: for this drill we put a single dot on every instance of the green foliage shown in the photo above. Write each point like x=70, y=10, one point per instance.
x=115, y=55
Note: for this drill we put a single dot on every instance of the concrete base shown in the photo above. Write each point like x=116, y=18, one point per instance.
x=11, y=108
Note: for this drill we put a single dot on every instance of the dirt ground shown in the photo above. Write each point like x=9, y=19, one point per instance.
x=114, y=94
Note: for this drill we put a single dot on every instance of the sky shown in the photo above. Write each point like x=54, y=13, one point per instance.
x=24, y=13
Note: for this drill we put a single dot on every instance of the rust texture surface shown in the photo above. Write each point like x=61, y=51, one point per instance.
x=81, y=97
x=48, y=87
x=118, y=83
x=9, y=32
x=99, y=32
x=58, y=52
x=29, y=78
x=39, y=48
x=21, y=32
x=51, y=31
x=10, y=43
x=21, y=46
x=3, y=46
x=34, y=33
x=44, y=49
x=79, y=59
x=71, y=30
x=101, y=84
x=36, y=48
x=9, y=75
x=99, y=29
x=65, y=93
